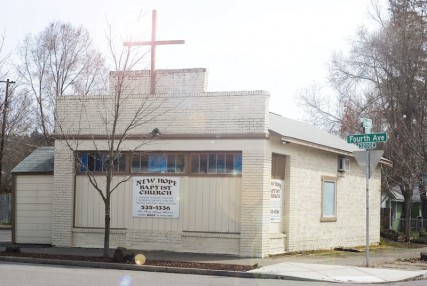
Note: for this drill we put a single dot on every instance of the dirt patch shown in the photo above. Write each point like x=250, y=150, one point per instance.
x=181, y=264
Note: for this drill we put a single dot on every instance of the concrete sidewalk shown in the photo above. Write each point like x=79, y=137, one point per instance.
x=386, y=265
x=337, y=273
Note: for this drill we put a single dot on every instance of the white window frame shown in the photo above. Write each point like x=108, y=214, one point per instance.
x=328, y=217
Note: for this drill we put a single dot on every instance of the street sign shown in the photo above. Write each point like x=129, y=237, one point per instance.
x=362, y=138
x=367, y=125
x=368, y=145
x=374, y=157
x=366, y=122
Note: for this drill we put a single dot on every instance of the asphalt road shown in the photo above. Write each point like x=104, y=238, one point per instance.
x=15, y=274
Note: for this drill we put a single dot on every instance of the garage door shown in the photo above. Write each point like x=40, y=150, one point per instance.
x=33, y=212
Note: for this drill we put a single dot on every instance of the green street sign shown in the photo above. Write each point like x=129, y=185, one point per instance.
x=366, y=138
x=368, y=145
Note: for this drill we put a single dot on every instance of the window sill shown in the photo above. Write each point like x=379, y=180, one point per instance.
x=328, y=219
x=187, y=233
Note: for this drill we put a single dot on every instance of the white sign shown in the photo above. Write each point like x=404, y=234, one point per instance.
x=374, y=157
x=156, y=197
x=276, y=201
x=366, y=122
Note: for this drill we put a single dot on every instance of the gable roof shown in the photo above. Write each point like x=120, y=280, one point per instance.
x=302, y=133
x=40, y=161
x=395, y=194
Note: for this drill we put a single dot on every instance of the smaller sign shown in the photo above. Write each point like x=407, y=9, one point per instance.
x=368, y=145
x=366, y=123
x=276, y=201
x=374, y=157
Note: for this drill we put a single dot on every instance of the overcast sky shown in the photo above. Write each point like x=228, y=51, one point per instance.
x=280, y=46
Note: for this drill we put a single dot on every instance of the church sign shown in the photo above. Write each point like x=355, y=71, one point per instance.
x=276, y=200
x=156, y=197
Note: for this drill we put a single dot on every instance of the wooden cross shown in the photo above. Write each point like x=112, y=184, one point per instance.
x=153, y=43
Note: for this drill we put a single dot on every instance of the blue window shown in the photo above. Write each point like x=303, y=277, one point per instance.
x=216, y=163
x=98, y=162
x=158, y=162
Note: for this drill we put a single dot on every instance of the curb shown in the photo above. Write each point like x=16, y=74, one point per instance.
x=163, y=269
x=149, y=268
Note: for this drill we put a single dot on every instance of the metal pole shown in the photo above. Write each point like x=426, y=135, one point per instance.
x=368, y=173
x=153, y=52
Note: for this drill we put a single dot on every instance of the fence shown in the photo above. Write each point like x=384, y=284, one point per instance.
x=417, y=224
x=5, y=207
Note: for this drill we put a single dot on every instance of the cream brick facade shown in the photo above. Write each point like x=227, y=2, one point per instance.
x=222, y=215
x=63, y=196
x=302, y=224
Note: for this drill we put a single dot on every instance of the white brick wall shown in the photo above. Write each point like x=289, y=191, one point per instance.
x=212, y=113
x=63, y=196
x=303, y=194
x=171, y=81
x=255, y=205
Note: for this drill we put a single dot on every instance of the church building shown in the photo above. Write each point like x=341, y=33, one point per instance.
x=200, y=171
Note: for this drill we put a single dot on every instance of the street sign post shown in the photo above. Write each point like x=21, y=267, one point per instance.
x=367, y=141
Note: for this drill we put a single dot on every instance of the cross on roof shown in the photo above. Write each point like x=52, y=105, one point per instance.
x=153, y=43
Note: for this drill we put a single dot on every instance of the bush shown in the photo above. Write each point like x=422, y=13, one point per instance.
x=13, y=249
x=391, y=234
x=122, y=255
x=420, y=240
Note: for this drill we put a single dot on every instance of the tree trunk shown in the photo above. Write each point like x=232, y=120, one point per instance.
x=423, y=196
x=107, y=229
x=407, y=213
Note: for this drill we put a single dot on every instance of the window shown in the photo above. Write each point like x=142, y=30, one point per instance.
x=216, y=163
x=329, y=199
x=98, y=161
x=278, y=166
x=158, y=162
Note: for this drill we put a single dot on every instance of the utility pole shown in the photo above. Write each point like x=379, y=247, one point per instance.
x=3, y=127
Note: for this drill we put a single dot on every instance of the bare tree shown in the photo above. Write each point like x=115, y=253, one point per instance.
x=384, y=77
x=59, y=60
x=17, y=116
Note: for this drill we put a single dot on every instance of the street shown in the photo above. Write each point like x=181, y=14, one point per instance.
x=15, y=274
